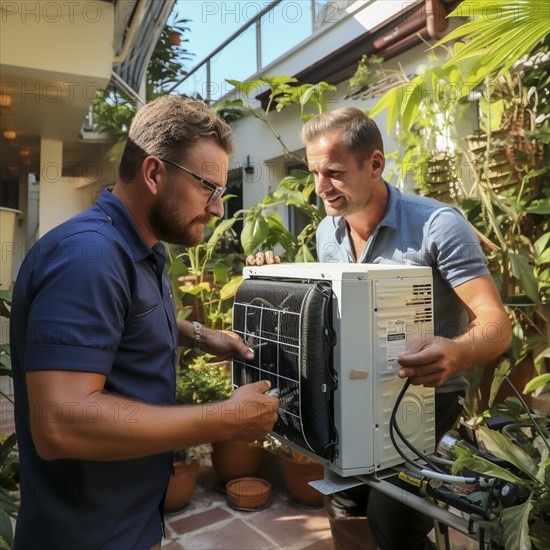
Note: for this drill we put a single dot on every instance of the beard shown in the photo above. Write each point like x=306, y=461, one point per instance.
x=170, y=222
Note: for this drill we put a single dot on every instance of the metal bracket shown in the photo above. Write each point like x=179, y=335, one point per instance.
x=333, y=483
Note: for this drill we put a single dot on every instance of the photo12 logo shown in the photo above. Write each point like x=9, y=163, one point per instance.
x=46, y=12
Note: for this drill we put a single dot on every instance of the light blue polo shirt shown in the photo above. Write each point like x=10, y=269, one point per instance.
x=418, y=230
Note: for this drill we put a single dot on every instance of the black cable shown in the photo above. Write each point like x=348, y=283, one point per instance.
x=394, y=426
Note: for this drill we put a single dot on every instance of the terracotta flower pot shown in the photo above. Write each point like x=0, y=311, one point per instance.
x=180, y=486
x=348, y=531
x=297, y=474
x=233, y=458
x=174, y=38
x=248, y=493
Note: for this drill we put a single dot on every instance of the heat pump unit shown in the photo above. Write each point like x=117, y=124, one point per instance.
x=328, y=337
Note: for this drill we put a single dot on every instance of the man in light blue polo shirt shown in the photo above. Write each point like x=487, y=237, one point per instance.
x=94, y=344
x=371, y=221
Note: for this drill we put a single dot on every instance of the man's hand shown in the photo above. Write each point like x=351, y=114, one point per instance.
x=224, y=344
x=489, y=334
x=254, y=410
x=430, y=362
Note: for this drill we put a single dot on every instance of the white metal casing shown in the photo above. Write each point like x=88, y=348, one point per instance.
x=379, y=310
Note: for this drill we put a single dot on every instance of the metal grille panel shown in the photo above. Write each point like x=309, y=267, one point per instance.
x=288, y=325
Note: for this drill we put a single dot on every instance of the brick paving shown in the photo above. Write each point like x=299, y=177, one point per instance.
x=208, y=523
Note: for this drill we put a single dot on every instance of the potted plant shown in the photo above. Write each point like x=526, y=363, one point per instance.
x=202, y=382
x=183, y=480
x=234, y=458
x=298, y=470
x=190, y=388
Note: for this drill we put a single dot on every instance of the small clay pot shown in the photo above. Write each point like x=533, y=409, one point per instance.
x=248, y=493
x=297, y=474
x=181, y=486
x=234, y=459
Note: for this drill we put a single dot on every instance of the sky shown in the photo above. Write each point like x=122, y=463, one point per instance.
x=212, y=21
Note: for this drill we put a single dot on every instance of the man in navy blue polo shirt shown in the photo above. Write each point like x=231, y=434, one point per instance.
x=370, y=221
x=95, y=338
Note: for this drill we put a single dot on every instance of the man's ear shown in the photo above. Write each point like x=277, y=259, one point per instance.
x=152, y=171
x=378, y=162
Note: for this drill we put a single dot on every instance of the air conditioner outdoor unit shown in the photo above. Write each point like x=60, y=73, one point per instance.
x=328, y=337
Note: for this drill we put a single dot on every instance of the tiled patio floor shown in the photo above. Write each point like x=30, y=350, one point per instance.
x=209, y=523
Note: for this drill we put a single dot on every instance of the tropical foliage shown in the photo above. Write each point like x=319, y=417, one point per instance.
x=521, y=456
x=9, y=459
x=501, y=65
x=113, y=109
x=263, y=227
x=499, y=34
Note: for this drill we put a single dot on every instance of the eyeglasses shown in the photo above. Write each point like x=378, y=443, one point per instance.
x=217, y=190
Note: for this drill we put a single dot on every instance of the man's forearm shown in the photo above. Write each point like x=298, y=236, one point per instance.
x=487, y=338
x=110, y=427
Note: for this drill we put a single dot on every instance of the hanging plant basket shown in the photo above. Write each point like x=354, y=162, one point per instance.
x=498, y=166
x=440, y=176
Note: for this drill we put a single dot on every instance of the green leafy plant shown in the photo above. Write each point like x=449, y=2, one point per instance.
x=499, y=34
x=502, y=63
x=9, y=457
x=203, y=382
x=524, y=446
x=263, y=227
x=114, y=109
x=205, y=277
x=200, y=382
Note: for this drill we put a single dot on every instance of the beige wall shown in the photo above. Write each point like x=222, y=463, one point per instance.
x=54, y=56
x=58, y=37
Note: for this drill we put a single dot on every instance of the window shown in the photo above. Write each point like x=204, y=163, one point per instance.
x=9, y=192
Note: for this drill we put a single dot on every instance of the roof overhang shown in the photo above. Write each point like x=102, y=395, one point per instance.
x=54, y=56
x=423, y=20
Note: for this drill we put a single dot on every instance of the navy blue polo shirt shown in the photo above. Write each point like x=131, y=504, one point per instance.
x=92, y=296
